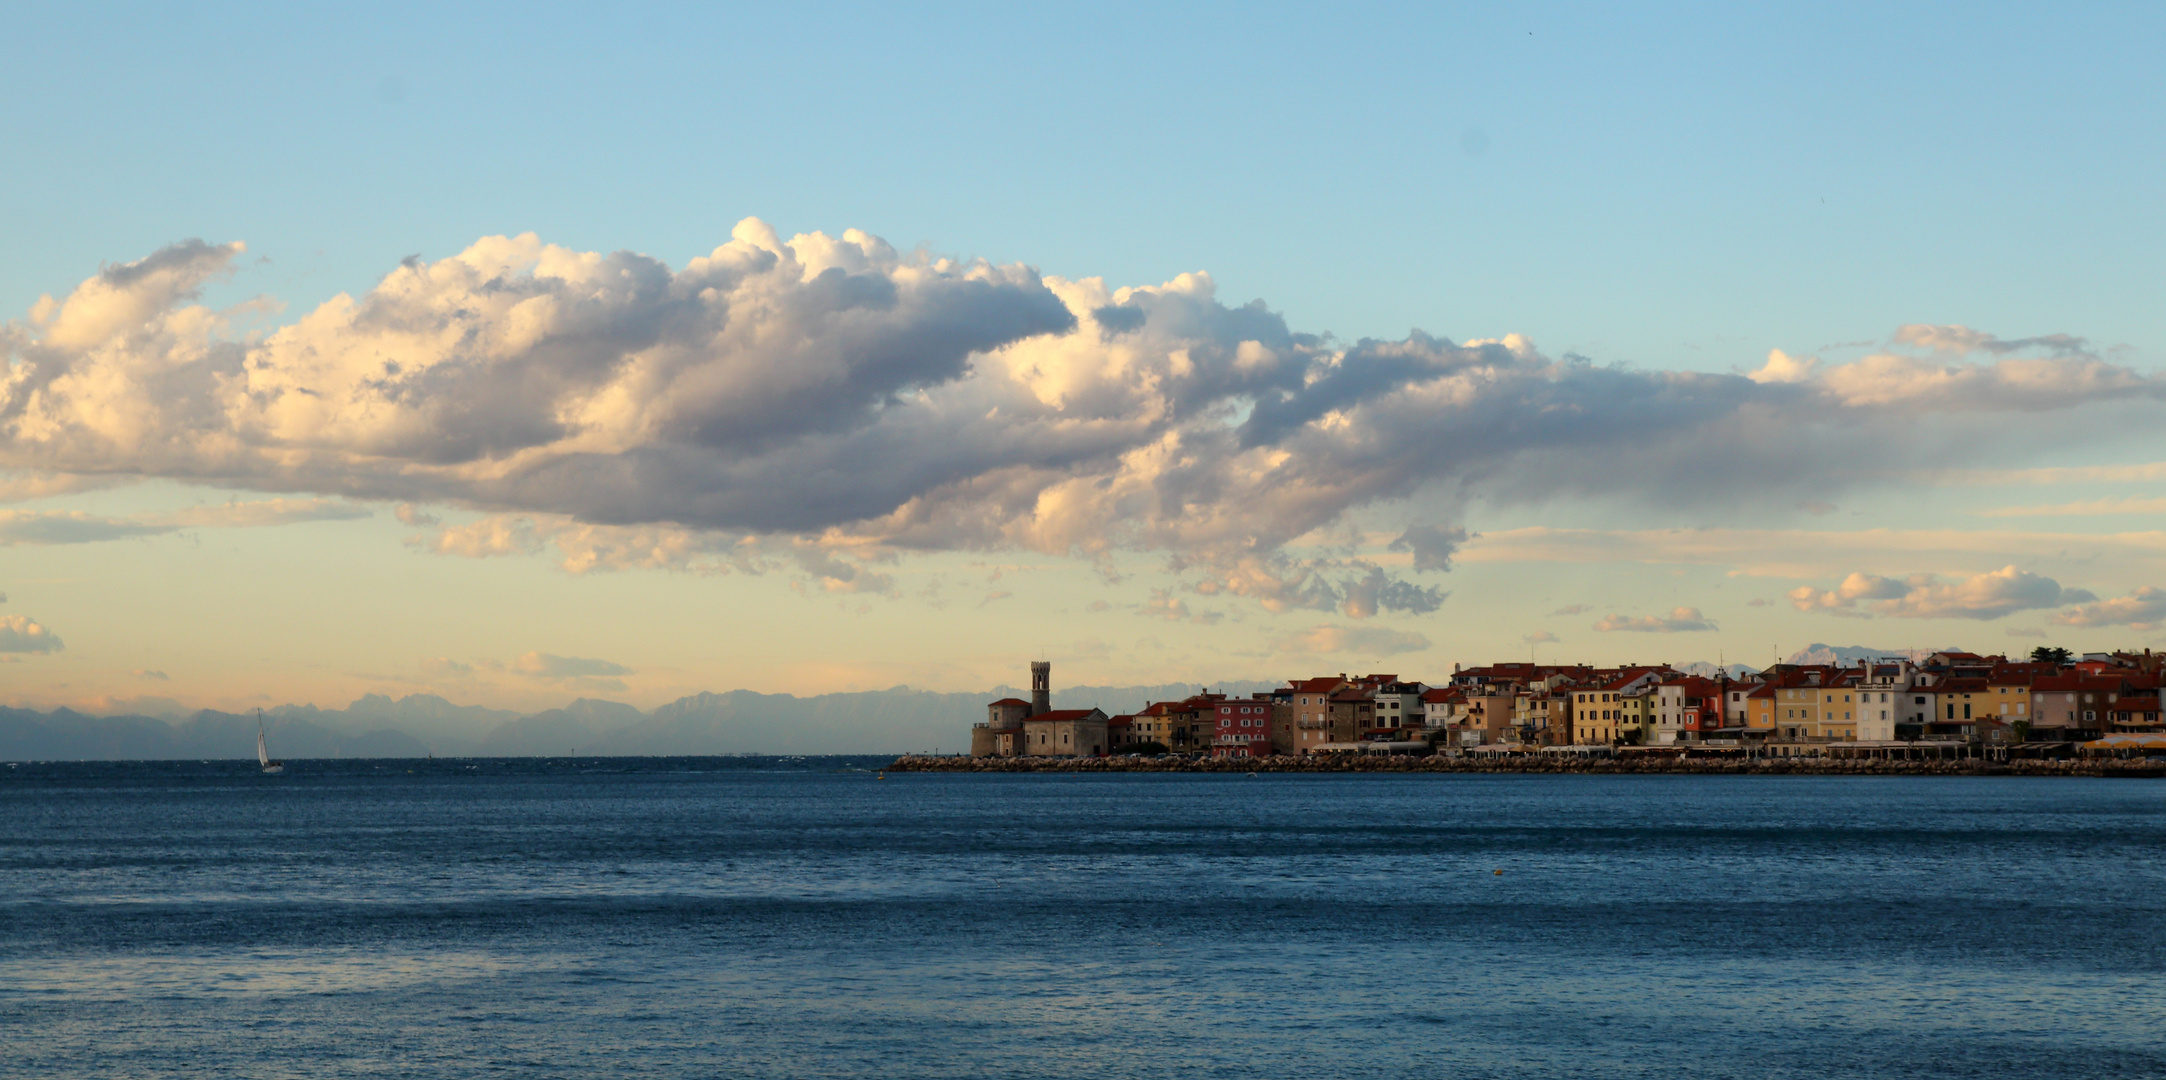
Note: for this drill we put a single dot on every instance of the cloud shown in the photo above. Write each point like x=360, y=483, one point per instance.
x=238, y=515
x=1926, y=596
x=838, y=576
x=1540, y=637
x=77, y=527
x=409, y=514
x=19, y=634
x=1355, y=588
x=1573, y=609
x=1781, y=367
x=2143, y=609
x=1164, y=605
x=834, y=393
x=1683, y=620
x=2054, y=475
x=1805, y=553
x=148, y=675
x=2084, y=508
x=1099, y=605
x=1962, y=340
x=1360, y=640
x=18, y=485
x=1759, y=601
x=69, y=527
x=2025, y=632
x=541, y=665
x=1431, y=545
x=1817, y=508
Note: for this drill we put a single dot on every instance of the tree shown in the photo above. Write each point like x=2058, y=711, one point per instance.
x=2050, y=654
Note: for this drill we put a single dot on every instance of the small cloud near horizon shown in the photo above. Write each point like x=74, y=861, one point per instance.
x=1681, y=620
x=22, y=634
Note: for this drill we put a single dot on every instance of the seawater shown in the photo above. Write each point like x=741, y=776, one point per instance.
x=807, y=918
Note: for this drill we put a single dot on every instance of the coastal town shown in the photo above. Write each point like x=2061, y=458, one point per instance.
x=1938, y=705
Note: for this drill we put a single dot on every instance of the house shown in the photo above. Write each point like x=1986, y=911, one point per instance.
x=1002, y=733
x=1282, y=720
x=2135, y=714
x=1311, y=704
x=1352, y=712
x=1242, y=728
x=1442, y=708
x=1686, y=708
x=1183, y=727
x=1120, y=732
x=1399, y=712
x=1880, y=706
x=1759, y=716
x=2072, y=707
x=1598, y=710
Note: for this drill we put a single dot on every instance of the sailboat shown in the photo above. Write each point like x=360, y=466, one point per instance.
x=263, y=749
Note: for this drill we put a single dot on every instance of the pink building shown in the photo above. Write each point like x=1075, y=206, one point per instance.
x=1243, y=729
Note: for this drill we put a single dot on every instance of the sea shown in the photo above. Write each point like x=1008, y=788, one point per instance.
x=816, y=917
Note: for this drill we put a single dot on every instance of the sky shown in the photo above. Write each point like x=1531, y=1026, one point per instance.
x=515, y=354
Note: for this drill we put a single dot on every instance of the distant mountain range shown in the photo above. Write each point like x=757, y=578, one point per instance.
x=1817, y=653
x=890, y=721
x=738, y=722
x=1707, y=670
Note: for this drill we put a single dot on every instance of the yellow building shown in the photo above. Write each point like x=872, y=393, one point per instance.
x=1636, y=714
x=1598, y=712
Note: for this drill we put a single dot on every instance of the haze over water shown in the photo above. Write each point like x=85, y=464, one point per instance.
x=735, y=917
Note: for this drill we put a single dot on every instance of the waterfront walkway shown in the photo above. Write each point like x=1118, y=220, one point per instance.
x=1530, y=763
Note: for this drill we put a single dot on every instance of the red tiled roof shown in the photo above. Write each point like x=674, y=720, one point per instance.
x=2099, y=684
x=1010, y=701
x=1060, y=714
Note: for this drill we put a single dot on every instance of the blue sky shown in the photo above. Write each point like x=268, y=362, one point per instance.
x=1680, y=189
x=1684, y=186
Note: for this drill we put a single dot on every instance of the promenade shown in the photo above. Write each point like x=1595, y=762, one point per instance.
x=1635, y=764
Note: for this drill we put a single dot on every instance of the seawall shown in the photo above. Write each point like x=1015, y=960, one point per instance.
x=1637, y=764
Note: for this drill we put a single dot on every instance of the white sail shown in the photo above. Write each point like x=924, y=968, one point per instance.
x=263, y=752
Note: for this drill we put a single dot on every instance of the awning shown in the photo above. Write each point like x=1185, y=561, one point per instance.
x=2128, y=742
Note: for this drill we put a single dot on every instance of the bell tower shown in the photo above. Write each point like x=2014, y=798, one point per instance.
x=1041, y=686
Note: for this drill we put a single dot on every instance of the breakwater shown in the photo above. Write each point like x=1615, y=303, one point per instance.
x=1635, y=764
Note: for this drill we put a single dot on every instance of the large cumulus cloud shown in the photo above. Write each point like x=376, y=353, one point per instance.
x=830, y=397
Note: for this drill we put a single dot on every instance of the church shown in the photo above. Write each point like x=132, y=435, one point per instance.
x=1017, y=728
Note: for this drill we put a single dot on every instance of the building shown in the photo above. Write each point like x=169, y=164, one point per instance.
x=1686, y=709
x=1399, y=712
x=1881, y=707
x=1065, y=733
x=1310, y=700
x=2072, y=707
x=1017, y=728
x=1242, y=728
